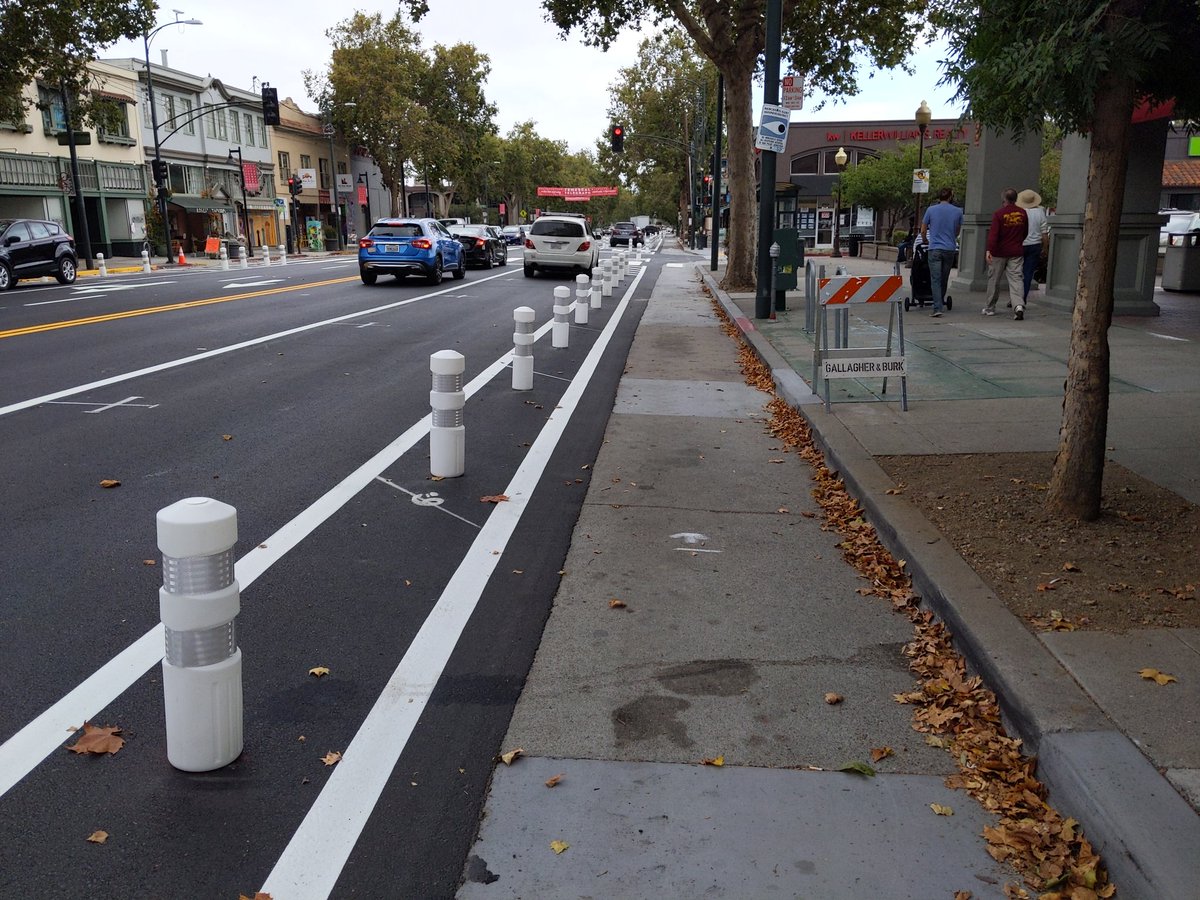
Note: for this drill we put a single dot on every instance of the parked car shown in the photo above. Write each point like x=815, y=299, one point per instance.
x=483, y=245
x=450, y=223
x=649, y=230
x=560, y=241
x=33, y=247
x=513, y=235
x=625, y=233
x=410, y=247
x=1180, y=221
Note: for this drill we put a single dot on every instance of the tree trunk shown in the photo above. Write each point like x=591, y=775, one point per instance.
x=1075, y=485
x=740, y=271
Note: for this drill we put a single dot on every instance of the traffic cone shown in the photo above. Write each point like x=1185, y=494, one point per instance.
x=182, y=259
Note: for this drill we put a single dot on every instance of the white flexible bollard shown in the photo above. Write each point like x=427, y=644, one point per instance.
x=266, y=256
x=597, y=287
x=619, y=268
x=624, y=261
x=447, y=435
x=583, y=301
x=224, y=258
x=101, y=265
x=198, y=603
x=283, y=254
x=242, y=257
x=560, y=331
x=522, y=364
x=606, y=286
x=145, y=261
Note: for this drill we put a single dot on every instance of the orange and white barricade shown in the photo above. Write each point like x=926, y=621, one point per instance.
x=843, y=361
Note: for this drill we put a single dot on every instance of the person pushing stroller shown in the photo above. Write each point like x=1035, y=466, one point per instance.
x=939, y=231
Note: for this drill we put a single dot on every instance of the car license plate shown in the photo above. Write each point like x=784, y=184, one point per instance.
x=391, y=248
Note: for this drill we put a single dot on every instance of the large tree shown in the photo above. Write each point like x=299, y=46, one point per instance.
x=825, y=42
x=1086, y=67
x=56, y=41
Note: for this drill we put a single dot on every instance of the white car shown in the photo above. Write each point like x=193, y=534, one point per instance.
x=1180, y=221
x=560, y=241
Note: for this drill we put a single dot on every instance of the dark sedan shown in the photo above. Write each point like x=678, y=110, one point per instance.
x=484, y=245
x=33, y=247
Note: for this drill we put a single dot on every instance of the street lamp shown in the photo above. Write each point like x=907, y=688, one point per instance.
x=158, y=166
x=839, y=158
x=245, y=206
x=923, y=116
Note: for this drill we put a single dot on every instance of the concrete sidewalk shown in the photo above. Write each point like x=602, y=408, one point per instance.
x=740, y=616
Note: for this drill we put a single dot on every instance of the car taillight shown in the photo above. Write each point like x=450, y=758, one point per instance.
x=365, y=243
x=529, y=243
x=480, y=242
x=423, y=244
x=586, y=245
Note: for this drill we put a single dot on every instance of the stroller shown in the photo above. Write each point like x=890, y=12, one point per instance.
x=921, y=283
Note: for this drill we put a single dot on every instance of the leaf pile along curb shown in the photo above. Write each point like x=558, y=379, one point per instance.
x=955, y=711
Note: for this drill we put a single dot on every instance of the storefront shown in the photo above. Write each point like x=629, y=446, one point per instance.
x=193, y=220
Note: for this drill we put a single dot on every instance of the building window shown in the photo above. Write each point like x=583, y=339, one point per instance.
x=222, y=126
x=323, y=163
x=185, y=118
x=117, y=130
x=53, y=116
x=249, y=121
x=210, y=121
x=262, y=131
x=805, y=165
x=235, y=127
x=285, y=162
x=305, y=161
x=169, y=108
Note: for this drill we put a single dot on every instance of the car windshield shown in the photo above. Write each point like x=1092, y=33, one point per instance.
x=511, y=229
x=557, y=228
x=470, y=231
x=405, y=230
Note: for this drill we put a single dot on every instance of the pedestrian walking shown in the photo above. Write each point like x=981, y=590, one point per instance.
x=939, y=230
x=1036, y=239
x=1006, y=253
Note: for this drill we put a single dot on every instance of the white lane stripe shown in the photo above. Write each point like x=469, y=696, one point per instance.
x=22, y=752
x=313, y=859
x=220, y=351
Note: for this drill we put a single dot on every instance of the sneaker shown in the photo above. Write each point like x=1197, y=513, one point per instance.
x=936, y=314
x=1019, y=313
x=988, y=311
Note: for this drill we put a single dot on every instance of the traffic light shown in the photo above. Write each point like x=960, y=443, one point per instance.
x=159, y=168
x=270, y=105
x=617, y=136
x=295, y=185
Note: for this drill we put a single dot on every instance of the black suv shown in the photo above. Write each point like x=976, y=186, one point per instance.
x=625, y=233
x=33, y=247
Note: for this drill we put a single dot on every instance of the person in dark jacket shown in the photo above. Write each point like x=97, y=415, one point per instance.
x=1005, y=254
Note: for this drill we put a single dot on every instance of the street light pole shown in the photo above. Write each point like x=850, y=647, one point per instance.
x=923, y=117
x=160, y=188
x=245, y=206
x=839, y=158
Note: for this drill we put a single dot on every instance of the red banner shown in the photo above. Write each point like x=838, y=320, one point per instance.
x=362, y=195
x=250, y=177
x=577, y=194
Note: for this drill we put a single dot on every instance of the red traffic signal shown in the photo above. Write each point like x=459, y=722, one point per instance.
x=617, y=138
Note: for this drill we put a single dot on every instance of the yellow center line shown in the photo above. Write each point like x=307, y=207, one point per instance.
x=130, y=313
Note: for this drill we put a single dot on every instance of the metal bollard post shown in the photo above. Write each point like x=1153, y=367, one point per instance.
x=101, y=265
x=597, y=287
x=145, y=261
x=522, y=364
x=224, y=258
x=198, y=603
x=606, y=269
x=447, y=435
x=561, y=330
x=283, y=254
x=582, y=299
x=773, y=252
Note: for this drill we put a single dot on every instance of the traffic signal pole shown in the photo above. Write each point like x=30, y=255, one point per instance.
x=763, y=299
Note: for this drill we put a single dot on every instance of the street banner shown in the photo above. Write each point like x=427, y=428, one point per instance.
x=577, y=194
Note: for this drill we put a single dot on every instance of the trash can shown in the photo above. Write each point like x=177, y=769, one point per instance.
x=1181, y=262
x=853, y=244
x=233, y=249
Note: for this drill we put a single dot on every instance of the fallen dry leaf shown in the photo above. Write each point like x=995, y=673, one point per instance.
x=1071, y=567
x=518, y=571
x=559, y=846
x=717, y=761
x=614, y=603
x=878, y=753
x=553, y=780
x=776, y=461
x=99, y=740
x=319, y=671
x=260, y=895
x=832, y=699
x=227, y=437
x=149, y=562
x=941, y=810
x=494, y=498
x=331, y=757
x=97, y=837
x=110, y=483
x=507, y=758
x=1154, y=675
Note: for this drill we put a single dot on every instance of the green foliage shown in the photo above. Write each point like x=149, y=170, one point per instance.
x=885, y=183
x=56, y=41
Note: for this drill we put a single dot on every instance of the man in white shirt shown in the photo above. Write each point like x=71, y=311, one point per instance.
x=1037, y=238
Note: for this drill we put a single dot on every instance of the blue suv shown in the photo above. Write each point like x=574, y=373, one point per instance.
x=410, y=247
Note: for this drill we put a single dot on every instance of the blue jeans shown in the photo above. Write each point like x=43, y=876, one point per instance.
x=940, y=262
x=1032, y=255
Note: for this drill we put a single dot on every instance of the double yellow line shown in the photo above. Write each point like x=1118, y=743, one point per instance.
x=171, y=307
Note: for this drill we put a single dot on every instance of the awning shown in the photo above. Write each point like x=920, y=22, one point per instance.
x=263, y=204
x=199, y=204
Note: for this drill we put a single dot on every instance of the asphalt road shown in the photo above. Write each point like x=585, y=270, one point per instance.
x=297, y=395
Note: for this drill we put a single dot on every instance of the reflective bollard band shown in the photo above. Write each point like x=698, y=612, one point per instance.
x=447, y=434
x=560, y=332
x=522, y=364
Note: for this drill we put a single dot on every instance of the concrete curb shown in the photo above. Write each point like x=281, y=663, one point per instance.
x=1147, y=834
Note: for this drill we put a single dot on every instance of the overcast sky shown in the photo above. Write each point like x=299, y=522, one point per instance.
x=561, y=85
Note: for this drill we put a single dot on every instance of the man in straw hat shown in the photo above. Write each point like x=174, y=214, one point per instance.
x=1005, y=244
x=1036, y=239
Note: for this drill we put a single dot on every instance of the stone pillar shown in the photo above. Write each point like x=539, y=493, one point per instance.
x=994, y=162
x=1137, y=241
